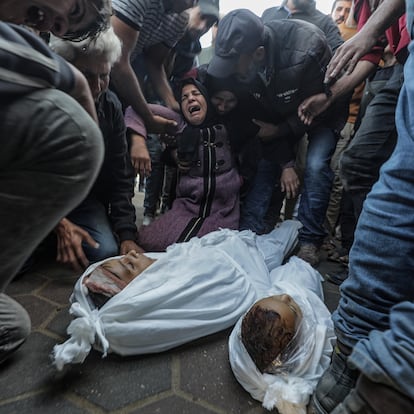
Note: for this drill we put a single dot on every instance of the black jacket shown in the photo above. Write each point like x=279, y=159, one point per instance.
x=114, y=186
x=297, y=54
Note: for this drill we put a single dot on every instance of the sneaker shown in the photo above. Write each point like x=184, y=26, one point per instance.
x=309, y=253
x=147, y=220
x=337, y=278
x=370, y=397
x=334, y=385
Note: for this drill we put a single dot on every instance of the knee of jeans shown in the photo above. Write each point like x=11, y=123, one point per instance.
x=315, y=165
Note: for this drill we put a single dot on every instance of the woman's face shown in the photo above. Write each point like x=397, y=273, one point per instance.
x=96, y=70
x=56, y=16
x=193, y=105
x=286, y=307
x=224, y=102
x=128, y=267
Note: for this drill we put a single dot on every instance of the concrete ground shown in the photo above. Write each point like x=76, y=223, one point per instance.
x=195, y=378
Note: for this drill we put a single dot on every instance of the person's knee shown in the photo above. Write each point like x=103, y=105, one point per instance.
x=15, y=326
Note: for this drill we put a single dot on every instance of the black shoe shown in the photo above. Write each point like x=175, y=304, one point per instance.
x=334, y=385
x=374, y=398
x=337, y=278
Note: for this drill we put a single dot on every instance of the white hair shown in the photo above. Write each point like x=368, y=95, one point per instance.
x=106, y=44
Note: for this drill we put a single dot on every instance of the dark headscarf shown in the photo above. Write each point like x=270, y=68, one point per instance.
x=211, y=117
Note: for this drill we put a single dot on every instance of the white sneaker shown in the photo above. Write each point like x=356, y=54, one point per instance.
x=147, y=220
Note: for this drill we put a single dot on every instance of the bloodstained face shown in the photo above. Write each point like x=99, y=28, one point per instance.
x=128, y=267
x=286, y=307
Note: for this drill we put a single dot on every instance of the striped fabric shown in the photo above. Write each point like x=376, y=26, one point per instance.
x=149, y=18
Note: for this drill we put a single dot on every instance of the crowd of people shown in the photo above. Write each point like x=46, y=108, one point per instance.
x=294, y=107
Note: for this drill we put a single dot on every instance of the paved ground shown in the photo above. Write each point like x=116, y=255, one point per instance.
x=195, y=378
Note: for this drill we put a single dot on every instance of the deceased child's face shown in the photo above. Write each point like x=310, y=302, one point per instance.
x=286, y=307
x=193, y=105
x=128, y=267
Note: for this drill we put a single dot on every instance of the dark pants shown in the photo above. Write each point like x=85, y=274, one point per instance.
x=373, y=142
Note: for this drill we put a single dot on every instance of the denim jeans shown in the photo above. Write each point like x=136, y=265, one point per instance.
x=317, y=184
x=375, y=312
x=51, y=152
x=256, y=203
x=92, y=216
x=373, y=142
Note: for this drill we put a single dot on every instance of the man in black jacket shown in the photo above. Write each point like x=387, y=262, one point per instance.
x=282, y=62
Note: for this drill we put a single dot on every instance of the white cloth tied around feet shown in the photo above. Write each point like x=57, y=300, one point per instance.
x=289, y=389
x=194, y=289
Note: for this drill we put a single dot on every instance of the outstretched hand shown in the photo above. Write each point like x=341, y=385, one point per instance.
x=311, y=107
x=69, y=244
x=161, y=125
x=348, y=54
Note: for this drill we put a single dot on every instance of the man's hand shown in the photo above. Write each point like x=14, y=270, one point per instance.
x=69, y=244
x=313, y=106
x=160, y=125
x=289, y=182
x=128, y=245
x=140, y=158
x=267, y=132
x=348, y=54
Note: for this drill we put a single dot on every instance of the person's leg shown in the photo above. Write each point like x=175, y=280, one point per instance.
x=14, y=326
x=317, y=183
x=51, y=153
x=257, y=200
x=153, y=184
x=380, y=275
x=334, y=207
x=92, y=216
x=373, y=143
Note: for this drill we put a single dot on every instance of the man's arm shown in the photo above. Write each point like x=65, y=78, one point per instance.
x=155, y=60
x=348, y=55
x=316, y=104
x=125, y=81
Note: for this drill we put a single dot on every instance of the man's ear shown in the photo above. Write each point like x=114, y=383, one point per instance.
x=259, y=54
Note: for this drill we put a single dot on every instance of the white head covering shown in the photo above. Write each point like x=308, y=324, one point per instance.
x=295, y=379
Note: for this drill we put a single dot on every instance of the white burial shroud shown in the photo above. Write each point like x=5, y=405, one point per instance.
x=194, y=289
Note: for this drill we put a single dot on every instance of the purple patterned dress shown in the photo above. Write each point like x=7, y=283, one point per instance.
x=207, y=196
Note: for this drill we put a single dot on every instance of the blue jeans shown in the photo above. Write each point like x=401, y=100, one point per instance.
x=257, y=200
x=317, y=184
x=92, y=216
x=375, y=312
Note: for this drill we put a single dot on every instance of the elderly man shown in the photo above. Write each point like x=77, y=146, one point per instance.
x=51, y=147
